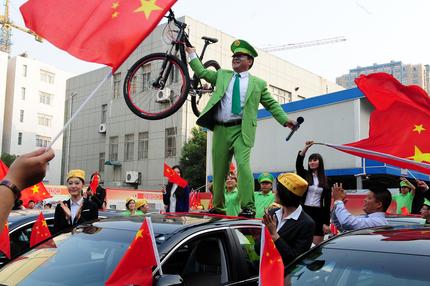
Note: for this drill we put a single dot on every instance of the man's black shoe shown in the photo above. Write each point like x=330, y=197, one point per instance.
x=216, y=211
x=248, y=213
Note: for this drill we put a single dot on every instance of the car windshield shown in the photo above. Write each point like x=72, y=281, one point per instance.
x=85, y=257
x=338, y=267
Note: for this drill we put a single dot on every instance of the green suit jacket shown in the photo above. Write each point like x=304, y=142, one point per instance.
x=257, y=93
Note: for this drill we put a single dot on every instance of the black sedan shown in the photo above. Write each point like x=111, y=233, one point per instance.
x=201, y=250
x=387, y=256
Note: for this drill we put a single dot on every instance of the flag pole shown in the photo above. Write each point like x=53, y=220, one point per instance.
x=154, y=245
x=79, y=109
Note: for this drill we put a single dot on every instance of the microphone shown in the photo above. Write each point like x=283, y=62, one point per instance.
x=299, y=120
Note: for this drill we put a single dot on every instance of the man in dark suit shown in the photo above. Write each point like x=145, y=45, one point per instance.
x=77, y=209
x=291, y=228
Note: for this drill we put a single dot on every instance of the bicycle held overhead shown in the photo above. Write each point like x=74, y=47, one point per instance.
x=158, y=84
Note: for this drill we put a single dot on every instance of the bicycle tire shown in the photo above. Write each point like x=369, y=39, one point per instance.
x=140, y=90
x=197, y=86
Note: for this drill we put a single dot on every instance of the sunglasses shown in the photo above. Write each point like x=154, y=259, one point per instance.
x=239, y=57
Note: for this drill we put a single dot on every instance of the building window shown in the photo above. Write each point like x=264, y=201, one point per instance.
x=104, y=113
x=281, y=95
x=129, y=147
x=23, y=93
x=116, y=84
x=113, y=148
x=21, y=115
x=170, y=143
x=46, y=76
x=102, y=162
x=24, y=70
x=19, y=138
x=44, y=119
x=142, y=147
x=45, y=98
x=42, y=141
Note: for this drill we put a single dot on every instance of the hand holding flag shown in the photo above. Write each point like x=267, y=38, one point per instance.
x=173, y=177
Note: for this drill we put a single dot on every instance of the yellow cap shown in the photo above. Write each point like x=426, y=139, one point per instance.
x=141, y=203
x=294, y=183
x=77, y=173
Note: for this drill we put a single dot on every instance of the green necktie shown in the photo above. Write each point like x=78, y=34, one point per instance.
x=235, y=106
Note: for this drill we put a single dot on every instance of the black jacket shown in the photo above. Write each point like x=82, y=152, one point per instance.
x=99, y=197
x=326, y=193
x=182, y=198
x=89, y=212
x=295, y=236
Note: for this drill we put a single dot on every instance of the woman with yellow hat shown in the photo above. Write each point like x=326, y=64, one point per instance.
x=130, y=205
x=142, y=205
x=75, y=210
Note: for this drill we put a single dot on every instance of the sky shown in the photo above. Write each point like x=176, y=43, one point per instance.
x=377, y=31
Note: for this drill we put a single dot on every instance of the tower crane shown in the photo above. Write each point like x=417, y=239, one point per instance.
x=305, y=44
x=6, y=30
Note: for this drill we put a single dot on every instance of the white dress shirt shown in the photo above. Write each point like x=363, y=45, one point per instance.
x=172, y=207
x=344, y=220
x=313, y=196
x=74, y=208
x=281, y=221
x=224, y=114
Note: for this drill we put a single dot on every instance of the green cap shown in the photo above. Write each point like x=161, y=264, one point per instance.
x=242, y=46
x=265, y=177
x=404, y=184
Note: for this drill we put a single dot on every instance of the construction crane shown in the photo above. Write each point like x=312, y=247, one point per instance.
x=6, y=30
x=305, y=44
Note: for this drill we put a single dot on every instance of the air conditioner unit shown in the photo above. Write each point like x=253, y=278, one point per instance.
x=165, y=95
x=102, y=128
x=132, y=177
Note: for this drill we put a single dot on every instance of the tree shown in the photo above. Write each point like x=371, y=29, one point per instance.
x=193, y=158
x=8, y=158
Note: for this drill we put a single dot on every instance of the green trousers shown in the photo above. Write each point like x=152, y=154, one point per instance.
x=227, y=141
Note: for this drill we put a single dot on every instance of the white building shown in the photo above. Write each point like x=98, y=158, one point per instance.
x=34, y=110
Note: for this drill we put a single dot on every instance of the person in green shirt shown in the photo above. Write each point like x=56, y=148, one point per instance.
x=265, y=197
x=131, y=208
x=231, y=196
x=405, y=197
x=425, y=211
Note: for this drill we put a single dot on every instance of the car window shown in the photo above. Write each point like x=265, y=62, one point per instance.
x=335, y=267
x=200, y=261
x=249, y=240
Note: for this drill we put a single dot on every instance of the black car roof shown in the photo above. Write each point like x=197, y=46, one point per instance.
x=413, y=240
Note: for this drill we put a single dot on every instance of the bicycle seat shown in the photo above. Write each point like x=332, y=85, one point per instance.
x=210, y=40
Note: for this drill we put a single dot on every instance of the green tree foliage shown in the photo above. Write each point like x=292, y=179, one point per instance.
x=193, y=158
x=8, y=158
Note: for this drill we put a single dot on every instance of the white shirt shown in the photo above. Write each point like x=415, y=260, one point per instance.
x=313, y=196
x=281, y=221
x=224, y=114
x=74, y=208
x=344, y=220
x=172, y=207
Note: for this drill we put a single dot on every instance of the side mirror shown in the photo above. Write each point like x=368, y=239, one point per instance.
x=168, y=280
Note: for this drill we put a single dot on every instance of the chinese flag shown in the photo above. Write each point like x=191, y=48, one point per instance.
x=271, y=265
x=36, y=193
x=94, y=183
x=40, y=231
x=195, y=200
x=104, y=32
x=174, y=178
x=3, y=170
x=399, y=127
x=135, y=268
x=5, y=241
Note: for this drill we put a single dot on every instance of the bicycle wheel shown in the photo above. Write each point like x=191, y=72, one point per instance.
x=202, y=89
x=156, y=86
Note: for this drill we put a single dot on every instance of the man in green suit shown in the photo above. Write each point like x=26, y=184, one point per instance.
x=231, y=114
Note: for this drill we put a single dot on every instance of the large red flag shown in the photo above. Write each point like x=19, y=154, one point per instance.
x=271, y=265
x=40, y=231
x=5, y=241
x=94, y=182
x=105, y=32
x=35, y=193
x=3, y=170
x=174, y=178
x=135, y=268
x=399, y=132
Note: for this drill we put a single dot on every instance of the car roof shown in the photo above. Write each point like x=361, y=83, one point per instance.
x=411, y=239
x=19, y=217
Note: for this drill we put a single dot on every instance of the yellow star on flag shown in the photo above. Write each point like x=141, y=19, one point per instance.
x=420, y=156
x=44, y=223
x=419, y=128
x=115, y=14
x=147, y=6
x=115, y=5
x=138, y=234
x=35, y=189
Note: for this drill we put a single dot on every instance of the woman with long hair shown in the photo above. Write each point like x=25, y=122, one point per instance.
x=176, y=198
x=317, y=199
